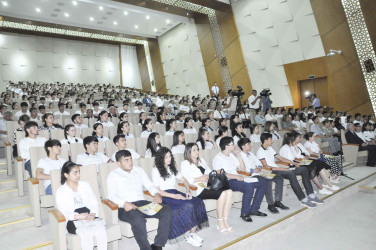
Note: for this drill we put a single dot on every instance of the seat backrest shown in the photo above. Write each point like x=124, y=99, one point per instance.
x=86, y=121
x=110, y=148
x=147, y=164
x=214, y=125
x=104, y=170
x=101, y=147
x=179, y=158
x=44, y=133
x=343, y=137
x=87, y=173
x=141, y=145
x=36, y=153
x=11, y=126
x=279, y=123
x=57, y=134
x=86, y=132
x=66, y=120
x=160, y=128
x=247, y=132
x=137, y=130
x=179, y=126
x=106, y=131
x=65, y=154
x=115, y=121
x=19, y=136
x=277, y=144
x=166, y=140
x=112, y=132
x=76, y=149
x=309, y=125
x=197, y=125
x=190, y=138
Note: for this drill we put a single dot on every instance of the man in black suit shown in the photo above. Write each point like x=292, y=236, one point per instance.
x=351, y=137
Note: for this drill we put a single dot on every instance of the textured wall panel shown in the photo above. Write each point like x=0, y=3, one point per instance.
x=9, y=41
x=28, y=43
x=59, y=46
x=44, y=44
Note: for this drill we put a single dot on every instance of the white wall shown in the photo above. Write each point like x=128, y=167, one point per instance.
x=42, y=59
x=273, y=33
x=182, y=61
x=129, y=67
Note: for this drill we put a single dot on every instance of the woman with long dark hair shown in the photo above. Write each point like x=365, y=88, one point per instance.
x=153, y=144
x=196, y=116
x=142, y=118
x=204, y=141
x=178, y=143
x=188, y=213
x=76, y=200
x=161, y=117
x=188, y=126
x=124, y=128
x=206, y=124
x=70, y=135
x=255, y=133
x=171, y=126
x=147, y=128
x=49, y=124
x=103, y=119
x=222, y=132
x=98, y=132
x=237, y=132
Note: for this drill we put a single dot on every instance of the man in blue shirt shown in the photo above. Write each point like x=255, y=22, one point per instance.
x=316, y=101
x=147, y=100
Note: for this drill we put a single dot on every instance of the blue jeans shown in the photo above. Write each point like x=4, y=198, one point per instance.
x=248, y=189
x=28, y=167
x=48, y=190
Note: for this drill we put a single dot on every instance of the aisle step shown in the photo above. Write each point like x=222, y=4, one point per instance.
x=6, y=193
x=8, y=183
x=15, y=223
x=369, y=188
x=15, y=211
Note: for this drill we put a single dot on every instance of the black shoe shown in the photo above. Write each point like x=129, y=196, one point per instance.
x=258, y=213
x=246, y=217
x=154, y=247
x=280, y=205
x=272, y=209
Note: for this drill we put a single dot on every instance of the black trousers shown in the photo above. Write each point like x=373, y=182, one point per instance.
x=371, y=161
x=138, y=224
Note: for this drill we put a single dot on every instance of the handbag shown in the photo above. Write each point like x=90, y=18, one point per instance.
x=218, y=181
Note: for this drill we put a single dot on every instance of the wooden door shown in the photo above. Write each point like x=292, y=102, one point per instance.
x=318, y=86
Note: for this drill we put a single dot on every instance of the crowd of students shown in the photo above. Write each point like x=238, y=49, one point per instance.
x=182, y=215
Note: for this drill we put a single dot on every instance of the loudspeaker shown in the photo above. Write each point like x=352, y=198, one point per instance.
x=370, y=67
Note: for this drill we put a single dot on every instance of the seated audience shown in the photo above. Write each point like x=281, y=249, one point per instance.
x=188, y=126
x=121, y=143
x=70, y=135
x=255, y=133
x=153, y=145
x=171, y=126
x=237, y=132
x=98, y=131
x=204, y=140
x=222, y=132
x=91, y=156
x=77, y=121
x=335, y=147
x=259, y=118
x=123, y=129
x=178, y=143
x=48, y=123
x=271, y=129
x=147, y=128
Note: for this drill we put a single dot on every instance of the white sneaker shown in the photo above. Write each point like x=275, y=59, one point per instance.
x=336, y=180
x=333, y=187
x=325, y=191
x=192, y=241
x=196, y=237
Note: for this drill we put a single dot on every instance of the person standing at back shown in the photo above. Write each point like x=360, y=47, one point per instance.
x=215, y=90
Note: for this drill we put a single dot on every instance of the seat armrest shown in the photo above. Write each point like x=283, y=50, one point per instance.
x=350, y=144
x=266, y=168
x=282, y=163
x=147, y=193
x=8, y=144
x=244, y=173
x=19, y=158
x=190, y=187
x=298, y=159
x=110, y=204
x=326, y=153
x=34, y=181
x=57, y=214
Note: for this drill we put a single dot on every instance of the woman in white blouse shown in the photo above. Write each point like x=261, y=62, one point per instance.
x=206, y=124
x=368, y=131
x=161, y=117
x=103, y=119
x=300, y=125
x=222, y=132
x=76, y=200
x=124, y=128
x=237, y=132
x=188, y=213
x=70, y=135
x=153, y=145
x=333, y=161
x=196, y=171
x=269, y=127
x=142, y=118
x=188, y=126
x=98, y=132
x=171, y=126
x=255, y=133
x=270, y=116
x=147, y=128
x=204, y=141
x=178, y=143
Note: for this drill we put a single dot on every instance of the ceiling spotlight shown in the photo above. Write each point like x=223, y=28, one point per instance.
x=91, y=18
x=100, y=7
x=66, y=14
x=37, y=10
x=155, y=30
x=74, y=3
x=333, y=52
x=167, y=21
x=125, y=12
x=136, y=26
x=115, y=23
x=147, y=17
x=5, y=3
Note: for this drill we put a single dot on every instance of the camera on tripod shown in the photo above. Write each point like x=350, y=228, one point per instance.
x=239, y=92
x=265, y=92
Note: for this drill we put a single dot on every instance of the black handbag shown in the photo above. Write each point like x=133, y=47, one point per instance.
x=218, y=181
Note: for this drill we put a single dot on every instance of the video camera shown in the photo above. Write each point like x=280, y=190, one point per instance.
x=239, y=92
x=265, y=92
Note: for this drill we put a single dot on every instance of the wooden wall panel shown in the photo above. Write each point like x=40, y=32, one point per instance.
x=368, y=8
x=156, y=61
x=143, y=67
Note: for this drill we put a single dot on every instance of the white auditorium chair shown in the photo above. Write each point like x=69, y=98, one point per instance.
x=351, y=151
x=62, y=240
x=141, y=143
x=76, y=149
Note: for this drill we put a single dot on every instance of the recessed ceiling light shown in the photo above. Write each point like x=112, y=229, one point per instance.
x=115, y=23
x=74, y=3
x=91, y=18
x=5, y=3
x=66, y=14
x=167, y=21
x=37, y=9
x=147, y=17
x=100, y=7
x=125, y=12
x=136, y=26
x=155, y=30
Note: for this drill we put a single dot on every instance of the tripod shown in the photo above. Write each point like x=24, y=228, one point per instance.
x=342, y=173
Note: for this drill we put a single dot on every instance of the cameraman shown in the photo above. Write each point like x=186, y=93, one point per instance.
x=254, y=102
x=231, y=102
x=266, y=102
x=315, y=101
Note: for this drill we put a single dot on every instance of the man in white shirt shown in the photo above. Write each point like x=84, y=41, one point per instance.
x=31, y=140
x=121, y=144
x=232, y=101
x=23, y=110
x=51, y=162
x=91, y=156
x=184, y=107
x=253, y=165
x=218, y=113
x=82, y=110
x=124, y=186
x=266, y=155
x=59, y=114
x=34, y=115
x=230, y=163
x=215, y=89
x=3, y=125
x=159, y=101
x=77, y=121
x=254, y=101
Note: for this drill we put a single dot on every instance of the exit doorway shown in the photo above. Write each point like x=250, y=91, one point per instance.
x=318, y=86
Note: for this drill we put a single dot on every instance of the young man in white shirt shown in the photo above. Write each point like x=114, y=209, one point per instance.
x=253, y=165
x=31, y=140
x=91, y=156
x=218, y=113
x=254, y=101
x=77, y=120
x=125, y=188
x=51, y=162
x=230, y=163
x=23, y=110
x=121, y=144
x=59, y=114
x=266, y=155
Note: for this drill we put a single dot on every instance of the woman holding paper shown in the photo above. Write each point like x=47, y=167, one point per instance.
x=77, y=201
x=188, y=213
